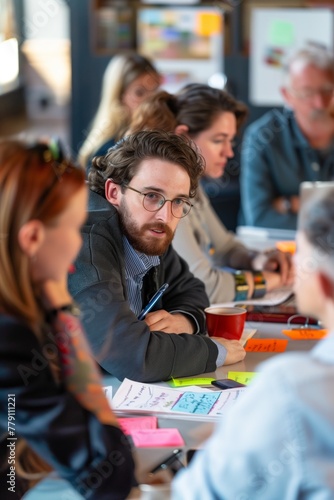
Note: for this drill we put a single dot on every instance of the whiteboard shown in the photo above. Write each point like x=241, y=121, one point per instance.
x=276, y=33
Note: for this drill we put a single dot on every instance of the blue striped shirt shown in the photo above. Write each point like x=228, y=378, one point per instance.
x=137, y=266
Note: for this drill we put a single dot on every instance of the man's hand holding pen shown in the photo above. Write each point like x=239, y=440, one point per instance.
x=156, y=297
x=163, y=321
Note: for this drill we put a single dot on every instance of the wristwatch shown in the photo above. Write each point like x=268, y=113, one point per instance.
x=286, y=205
x=241, y=286
x=72, y=308
x=260, y=283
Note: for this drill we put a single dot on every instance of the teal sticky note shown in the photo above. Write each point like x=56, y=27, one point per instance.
x=197, y=403
x=281, y=33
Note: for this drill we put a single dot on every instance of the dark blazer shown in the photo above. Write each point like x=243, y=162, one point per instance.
x=124, y=346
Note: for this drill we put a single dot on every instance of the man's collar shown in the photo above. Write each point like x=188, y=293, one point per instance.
x=297, y=135
x=137, y=263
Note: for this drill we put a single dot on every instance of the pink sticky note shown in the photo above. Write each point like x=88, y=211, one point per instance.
x=157, y=437
x=129, y=425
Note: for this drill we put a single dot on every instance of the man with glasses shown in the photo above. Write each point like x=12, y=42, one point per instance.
x=140, y=190
x=282, y=149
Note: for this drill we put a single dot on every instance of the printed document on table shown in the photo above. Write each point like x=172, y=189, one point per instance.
x=191, y=402
x=273, y=298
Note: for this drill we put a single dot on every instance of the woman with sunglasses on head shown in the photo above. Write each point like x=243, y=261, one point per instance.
x=211, y=118
x=54, y=414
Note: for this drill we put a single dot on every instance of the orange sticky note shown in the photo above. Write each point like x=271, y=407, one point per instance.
x=266, y=345
x=305, y=334
x=286, y=246
x=157, y=437
x=128, y=425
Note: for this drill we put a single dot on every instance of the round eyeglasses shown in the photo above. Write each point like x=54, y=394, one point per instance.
x=152, y=202
x=309, y=93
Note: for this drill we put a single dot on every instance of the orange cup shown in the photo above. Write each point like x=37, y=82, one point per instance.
x=226, y=322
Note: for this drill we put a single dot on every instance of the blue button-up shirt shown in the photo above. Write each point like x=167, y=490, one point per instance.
x=276, y=157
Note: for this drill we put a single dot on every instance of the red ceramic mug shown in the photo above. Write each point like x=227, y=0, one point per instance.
x=226, y=322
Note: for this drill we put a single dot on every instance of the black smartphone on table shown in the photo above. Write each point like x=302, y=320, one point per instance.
x=227, y=383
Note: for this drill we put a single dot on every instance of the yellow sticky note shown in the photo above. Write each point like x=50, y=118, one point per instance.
x=266, y=345
x=305, y=334
x=208, y=23
x=183, y=382
x=242, y=377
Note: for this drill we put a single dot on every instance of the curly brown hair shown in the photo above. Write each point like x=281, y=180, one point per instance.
x=123, y=160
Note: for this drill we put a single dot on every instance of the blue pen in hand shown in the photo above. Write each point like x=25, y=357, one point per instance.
x=153, y=300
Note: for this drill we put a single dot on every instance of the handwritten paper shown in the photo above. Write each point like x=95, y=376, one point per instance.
x=266, y=345
x=242, y=377
x=129, y=425
x=186, y=381
x=305, y=334
x=138, y=397
x=157, y=437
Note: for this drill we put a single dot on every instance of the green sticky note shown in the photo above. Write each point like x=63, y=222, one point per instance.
x=242, y=377
x=183, y=382
x=281, y=33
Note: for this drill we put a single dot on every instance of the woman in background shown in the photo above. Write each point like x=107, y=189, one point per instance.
x=211, y=118
x=127, y=81
x=53, y=410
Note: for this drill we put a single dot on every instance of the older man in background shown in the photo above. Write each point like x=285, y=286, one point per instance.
x=282, y=149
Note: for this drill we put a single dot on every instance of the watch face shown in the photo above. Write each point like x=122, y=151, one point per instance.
x=72, y=308
x=286, y=205
x=241, y=286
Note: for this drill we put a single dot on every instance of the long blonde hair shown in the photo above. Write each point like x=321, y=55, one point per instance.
x=112, y=116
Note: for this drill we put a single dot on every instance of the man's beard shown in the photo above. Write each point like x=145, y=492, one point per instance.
x=137, y=236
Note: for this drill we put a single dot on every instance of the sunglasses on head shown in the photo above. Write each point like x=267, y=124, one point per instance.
x=51, y=154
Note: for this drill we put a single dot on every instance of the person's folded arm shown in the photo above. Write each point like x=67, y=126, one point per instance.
x=126, y=348
x=257, y=188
